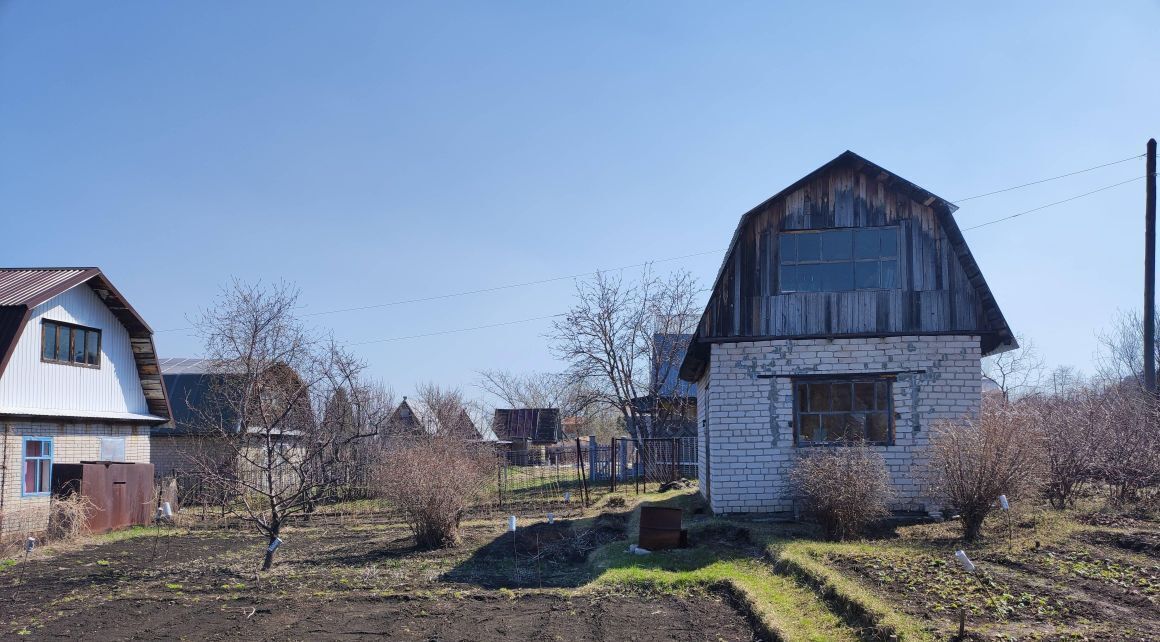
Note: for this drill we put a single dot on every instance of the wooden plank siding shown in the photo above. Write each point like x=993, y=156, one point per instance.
x=936, y=294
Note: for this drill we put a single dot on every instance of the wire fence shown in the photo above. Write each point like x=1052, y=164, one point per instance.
x=560, y=478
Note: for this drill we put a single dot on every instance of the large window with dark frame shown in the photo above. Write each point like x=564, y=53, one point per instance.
x=69, y=343
x=837, y=260
x=843, y=411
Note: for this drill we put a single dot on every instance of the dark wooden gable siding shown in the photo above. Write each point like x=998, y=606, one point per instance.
x=936, y=294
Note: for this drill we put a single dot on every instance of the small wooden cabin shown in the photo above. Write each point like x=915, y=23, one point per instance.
x=848, y=309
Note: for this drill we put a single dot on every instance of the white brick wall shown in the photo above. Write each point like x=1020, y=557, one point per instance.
x=72, y=443
x=746, y=402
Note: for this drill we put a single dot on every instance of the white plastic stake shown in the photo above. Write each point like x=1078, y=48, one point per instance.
x=1003, y=502
x=512, y=523
x=965, y=561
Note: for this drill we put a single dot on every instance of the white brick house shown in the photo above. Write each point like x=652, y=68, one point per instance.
x=78, y=382
x=848, y=309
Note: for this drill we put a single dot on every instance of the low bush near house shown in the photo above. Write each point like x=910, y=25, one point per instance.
x=973, y=461
x=68, y=518
x=433, y=481
x=844, y=489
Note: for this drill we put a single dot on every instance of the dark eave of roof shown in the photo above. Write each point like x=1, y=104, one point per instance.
x=697, y=356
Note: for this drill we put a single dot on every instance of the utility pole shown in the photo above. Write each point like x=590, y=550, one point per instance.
x=1150, y=269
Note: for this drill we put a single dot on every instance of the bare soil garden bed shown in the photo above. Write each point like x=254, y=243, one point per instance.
x=476, y=618
x=358, y=580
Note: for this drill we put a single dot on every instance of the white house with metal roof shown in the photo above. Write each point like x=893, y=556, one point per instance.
x=79, y=381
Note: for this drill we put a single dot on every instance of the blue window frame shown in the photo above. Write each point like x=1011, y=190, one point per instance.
x=37, y=470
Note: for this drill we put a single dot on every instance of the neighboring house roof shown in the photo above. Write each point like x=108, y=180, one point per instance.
x=404, y=421
x=465, y=428
x=668, y=354
x=187, y=382
x=536, y=424
x=1000, y=337
x=22, y=289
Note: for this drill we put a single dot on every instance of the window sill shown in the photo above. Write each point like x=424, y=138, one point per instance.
x=842, y=444
x=74, y=364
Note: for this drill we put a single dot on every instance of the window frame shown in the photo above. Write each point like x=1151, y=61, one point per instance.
x=70, y=350
x=24, y=459
x=827, y=379
x=853, y=260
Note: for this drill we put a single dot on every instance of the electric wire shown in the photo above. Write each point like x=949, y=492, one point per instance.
x=1046, y=180
x=1043, y=207
x=677, y=258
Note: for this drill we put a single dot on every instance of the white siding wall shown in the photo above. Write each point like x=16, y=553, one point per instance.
x=28, y=384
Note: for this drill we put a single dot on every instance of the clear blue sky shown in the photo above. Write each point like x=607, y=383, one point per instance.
x=371, y=151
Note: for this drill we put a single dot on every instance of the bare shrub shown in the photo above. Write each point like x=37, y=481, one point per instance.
x=844, y=489
x=975, y=460
x=1068, y=445
x=68, y=518
x=433, y=481
x=1124, y=423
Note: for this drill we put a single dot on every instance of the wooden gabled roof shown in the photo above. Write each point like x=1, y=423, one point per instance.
x=22, y=289
x=1000, y=339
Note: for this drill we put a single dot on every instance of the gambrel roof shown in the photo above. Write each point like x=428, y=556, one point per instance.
x=996, y=334
x=22, y=289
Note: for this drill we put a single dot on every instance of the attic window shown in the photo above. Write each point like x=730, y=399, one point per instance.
x=72, y=344
x=838, y=260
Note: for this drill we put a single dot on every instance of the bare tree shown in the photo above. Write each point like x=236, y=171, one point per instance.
x=1016, y=372
x=1120, y=355
x=609, y=340
x=272, y=440
x=444, y=411
x=573, y=397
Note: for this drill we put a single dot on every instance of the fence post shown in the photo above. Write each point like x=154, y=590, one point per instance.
x=592, y=447
x=612, y=466
x=676, y=459
x=583, y=474
x=499, y=469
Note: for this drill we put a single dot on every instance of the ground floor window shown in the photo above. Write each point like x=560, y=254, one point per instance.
x=843, y=410
x=37, y=465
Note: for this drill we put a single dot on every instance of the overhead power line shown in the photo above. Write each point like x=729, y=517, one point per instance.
x=442, y=332
x=1043, y=207
x=496, y=288
x=1046, y=180
x=677, y=258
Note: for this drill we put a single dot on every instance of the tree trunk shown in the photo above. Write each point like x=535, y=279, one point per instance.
x=268, y=561
x=972, y=526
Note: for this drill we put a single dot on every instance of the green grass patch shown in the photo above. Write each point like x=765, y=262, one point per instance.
x=786, y=610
